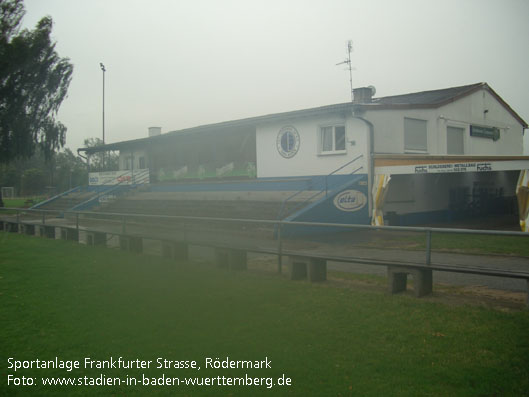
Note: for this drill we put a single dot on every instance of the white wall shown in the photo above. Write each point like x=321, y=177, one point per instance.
x=471, y=110
x=308, y=160
x=123, y=155
x=389, y=126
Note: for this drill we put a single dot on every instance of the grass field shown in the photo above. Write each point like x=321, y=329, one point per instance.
x=21, y=202
x=465, y=243
x=65, y=300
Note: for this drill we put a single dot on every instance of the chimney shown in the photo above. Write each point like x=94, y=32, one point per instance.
x=363, y=94
x=154, y=131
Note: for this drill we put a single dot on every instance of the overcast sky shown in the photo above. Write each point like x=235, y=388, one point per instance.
x=180, y=63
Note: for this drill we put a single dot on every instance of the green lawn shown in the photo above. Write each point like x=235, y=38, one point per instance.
x=465, y=243
x=21, y=202
x=65, y=300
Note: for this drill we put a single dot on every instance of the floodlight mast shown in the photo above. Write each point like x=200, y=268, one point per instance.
x=349, y=66
x=103, y=69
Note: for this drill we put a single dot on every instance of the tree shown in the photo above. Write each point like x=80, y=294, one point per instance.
x=62, y=172
x=69, y=171
x=110, y=160
x=33, y=181
x=33, y=83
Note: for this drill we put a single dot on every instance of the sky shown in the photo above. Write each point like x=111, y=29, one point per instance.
x=183, y=63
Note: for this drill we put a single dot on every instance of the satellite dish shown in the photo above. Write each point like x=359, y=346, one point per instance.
x=373, y=90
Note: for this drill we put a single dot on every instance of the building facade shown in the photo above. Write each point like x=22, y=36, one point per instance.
x=415, y=158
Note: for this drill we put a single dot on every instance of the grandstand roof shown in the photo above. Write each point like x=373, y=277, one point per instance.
x=423, y=99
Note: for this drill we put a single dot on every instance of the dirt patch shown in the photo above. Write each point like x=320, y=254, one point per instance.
x=474, y=295
x=482, y=296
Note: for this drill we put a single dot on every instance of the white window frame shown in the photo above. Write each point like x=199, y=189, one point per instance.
x=321, y=150
x=406, y=150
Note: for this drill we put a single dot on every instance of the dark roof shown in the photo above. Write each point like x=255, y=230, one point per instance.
x=423, y=99
x=433, y=97
x=247, y=122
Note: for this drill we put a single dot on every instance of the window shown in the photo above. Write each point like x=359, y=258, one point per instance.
x=415, y=135
x=333, y=139
x=127, y=163
x=454, y=140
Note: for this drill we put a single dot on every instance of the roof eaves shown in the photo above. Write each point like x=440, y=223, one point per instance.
x=506, y=106
x=223, y=125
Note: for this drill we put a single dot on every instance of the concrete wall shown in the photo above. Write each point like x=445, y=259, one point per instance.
x=389, y=126
x=309, y=160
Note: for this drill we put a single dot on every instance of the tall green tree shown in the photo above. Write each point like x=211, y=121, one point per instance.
x=63, y=171
x=33, y=83
x=101, y=161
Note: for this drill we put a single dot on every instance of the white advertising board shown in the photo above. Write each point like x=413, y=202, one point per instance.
x=124, y=177
x=478, y=166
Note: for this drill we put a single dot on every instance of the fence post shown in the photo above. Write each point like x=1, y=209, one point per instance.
x=428, y=247
x=124, y=225
x=43, y=218
x=18, y=217
x=279, y=250
x=77, y=222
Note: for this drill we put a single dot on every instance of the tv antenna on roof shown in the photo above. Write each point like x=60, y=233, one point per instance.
x=348, y=63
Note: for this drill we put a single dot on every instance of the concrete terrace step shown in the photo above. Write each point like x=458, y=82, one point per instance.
x=202, y=208
x=67, y=201
x=261, y=196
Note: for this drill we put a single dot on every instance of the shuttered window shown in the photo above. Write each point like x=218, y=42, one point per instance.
x=455, y=140
x=415, y=135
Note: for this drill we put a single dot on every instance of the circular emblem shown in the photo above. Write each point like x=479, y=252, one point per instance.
x=350, y=200
x=287, y=142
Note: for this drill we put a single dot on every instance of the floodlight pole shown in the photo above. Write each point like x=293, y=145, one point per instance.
x=103, y=70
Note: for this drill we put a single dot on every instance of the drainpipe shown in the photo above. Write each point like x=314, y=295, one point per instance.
x=371, y=161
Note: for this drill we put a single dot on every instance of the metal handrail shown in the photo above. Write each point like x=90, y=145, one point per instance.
x=100, y=194
x=342, y=167
x=283, y=222
x=284, y=203
x=57, y=196
x=277, y=223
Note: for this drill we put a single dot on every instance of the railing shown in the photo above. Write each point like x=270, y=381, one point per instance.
x=98, y=196
x=516, y=270
x=57, y=196
x=124, y=217
x=341, y=168
x=281, y=214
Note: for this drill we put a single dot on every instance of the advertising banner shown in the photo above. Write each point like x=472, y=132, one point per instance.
x=123, y=177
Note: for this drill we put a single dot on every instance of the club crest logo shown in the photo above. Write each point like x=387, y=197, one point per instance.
x=287, y=142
